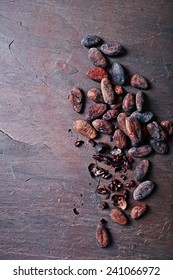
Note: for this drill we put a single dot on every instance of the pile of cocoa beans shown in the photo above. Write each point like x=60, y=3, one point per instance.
x=134, y=133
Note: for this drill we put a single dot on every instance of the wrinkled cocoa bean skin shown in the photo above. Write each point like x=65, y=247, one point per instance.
x=129, y=104
x=84, y=128
x=144, y=117
x=95, y=111
x=134, y=130
x=137, y=211
x=120, y=139
x=112, y=49
x=141, y=151
x=110, y=115
x=76, y=99
x=97, y=74
x=141, y=170
x=143, y=190
x=140, y=101
x=156, y=132
x=107, y=91
x=95, y=95
x=139, y=81
x=118, y=73
x=118, y=216
x=167, y=127
x=91, y=41
x=159, y=147
x=118, y=103
x=121, y=120
x=103, y=126
x=102, y=236
x=97, y=58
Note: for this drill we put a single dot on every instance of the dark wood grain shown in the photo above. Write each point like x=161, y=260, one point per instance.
x=43, y=176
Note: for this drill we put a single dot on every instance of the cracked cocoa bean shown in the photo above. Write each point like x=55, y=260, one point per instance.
x=141, y=170
x=144, y=117
x=95, y=95
x=120, y=139
x=134, y=130
x=91, y=41
x=156, y=132
x=118, y=216
x=141, y=151
x=128, y=104
x=138, y=210
x=121, y=121
x=107, y=91
x=167, y=127
x=84, y=128
x=118, y=73
x=76, y=99
x=159, y=147
x=95, y=111
x=112, y=49
x=97, y=58
x=140, y=101
x=103, y=126
x=143, y=190
x=110, y=115
x=97, y=74
x=139, y=81
x=102, y=236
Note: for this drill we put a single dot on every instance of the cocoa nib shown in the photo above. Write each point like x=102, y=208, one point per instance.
x=119, y=201
x=102, y=148
x=96, y=171
x=79, y=143
x=104, y=205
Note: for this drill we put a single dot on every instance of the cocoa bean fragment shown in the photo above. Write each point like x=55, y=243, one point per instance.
x=110, y=115
x=112, y=49
x=103, y=126
x=128, y=104
x=95, y=95
x=102, y=236
x=97, y=74
x=134, y=130
x=91, y=41
x=167, y=127
x=156, y=132
x=84, y=128
x=140, y=101
x=141, y=151
x=139, y=81
x=118, y=216
x=119, y=201
x=120, y=139
x=76, y=99
x=159, y=147
x=107, y=91
x=121, y=120
x=97, y=58
x=95, y=111
x=143, y=190
x=118, y=73
x=141, y=170
x=138, y=210
x=102, y=148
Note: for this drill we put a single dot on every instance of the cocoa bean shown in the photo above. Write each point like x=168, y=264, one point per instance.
x=139, y=81
x=118, y=103
x=97, y=58
x=143, y=190
x=156, y=132
x=141, y=151
x=138, y=210
x=107, y=91
x=102, y=236
x=112, y=49
x=140, y=101
x=118, y=89
x=141, y=170
x=121, y=121
x=97, y=74
x=95, y=95
x=103, y=126
x=120, y=139
x=96, y=111
x=128, y=104
x=110, y=115
x=167, y=127
x=144, y=117
x=118, y=73
x=76, y=99
x=84, y=128
x=91, y=41
x=118, y=216
x=134, y=130
x=159, y=147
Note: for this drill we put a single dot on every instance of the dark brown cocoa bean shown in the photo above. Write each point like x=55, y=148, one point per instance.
x=120, y=139
x=95, y=95
x=102, y=236
x=138, y=210
x=76, y=99
x=118, y=73
x=139, y=81
x=140, y=101
x=159, y=147
x=118, y=216
x=112, y=49
x=141, y=170
x=134, y=130
x=95, y=111
x=128, y=104
x=143, y=190
x=103, y=126
x=121, y=120
x=91, y=41
x=144, y=117
x=156, y=132
x=97, y=57
x=84, y=128
x=110, y=115
x=141, y=151
x=167, y=127
x=107, y=91
x=97, y=74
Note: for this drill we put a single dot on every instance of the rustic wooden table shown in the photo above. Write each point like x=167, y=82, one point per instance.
x=43, y=176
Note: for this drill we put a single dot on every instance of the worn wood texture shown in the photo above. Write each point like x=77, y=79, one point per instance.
x=43, y=176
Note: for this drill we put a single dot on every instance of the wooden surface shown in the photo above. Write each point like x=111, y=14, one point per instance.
x=43, y=176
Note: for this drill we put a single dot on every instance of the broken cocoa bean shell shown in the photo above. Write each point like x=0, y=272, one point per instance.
x=107, y=91
x=167, y=127
x=102, y=236
x=102, y=148
x=110, y=115
x=97, y=74
x=76, y=99
x=141, y=151
x=134, y=130
x=156, y=132
x=97, y=57
x=120, y=139
x=159, y=147
x=138, y=210
x=118, y=216
x=84, y=128
x=138, y=81
x=141, y=170
x=103, y=126
x=129, y=104
x=95, y=95
x=143, y=190
x=119, y=201
x=95, y=111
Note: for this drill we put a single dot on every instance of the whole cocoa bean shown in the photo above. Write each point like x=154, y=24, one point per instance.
x=156, y=132
x=120, y=139
x=107, y=91
x=97, y=58
x=110, y=115
x=167, y=127
x=159, y=147
x=118, y=216
x=76, y=99
x=96, y=111
x=128, y=104
x=103, y=126
x=102, y=236
x=97, y=74
x=141, y=151
x=140, y=101
x=121, y=120
x=111, y=49
x=84, y=128
x=139, y=81
x=141, y=170
x=91, y=41
x=134, y=130
x=143, y=190
x=118, y=73
x=138, y=210
x=118, y=89
x=144, y=117
x=95, y=95
x=118, y=103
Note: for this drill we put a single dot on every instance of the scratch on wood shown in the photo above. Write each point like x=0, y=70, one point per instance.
x=10, y=44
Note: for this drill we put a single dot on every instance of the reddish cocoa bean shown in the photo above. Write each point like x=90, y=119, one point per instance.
x=76, y=99
x=118, y=89
x=107, y=91
x=95, y=111
x=118, y=216
x=110, y=115
x=143, y=190
x=167, y=127
x=156, y=132
x=139, y=81
x=84, y=128
x=121, y=120
x=141, y=170
x=120, y=139
x=97, y=58
x=102, y=236
x=134, y=130
x=140, y=101
x=128, y=104
x=141, y=151
x=103, y=126
x=95, y=95
x=138, y=210
x=97, y=74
